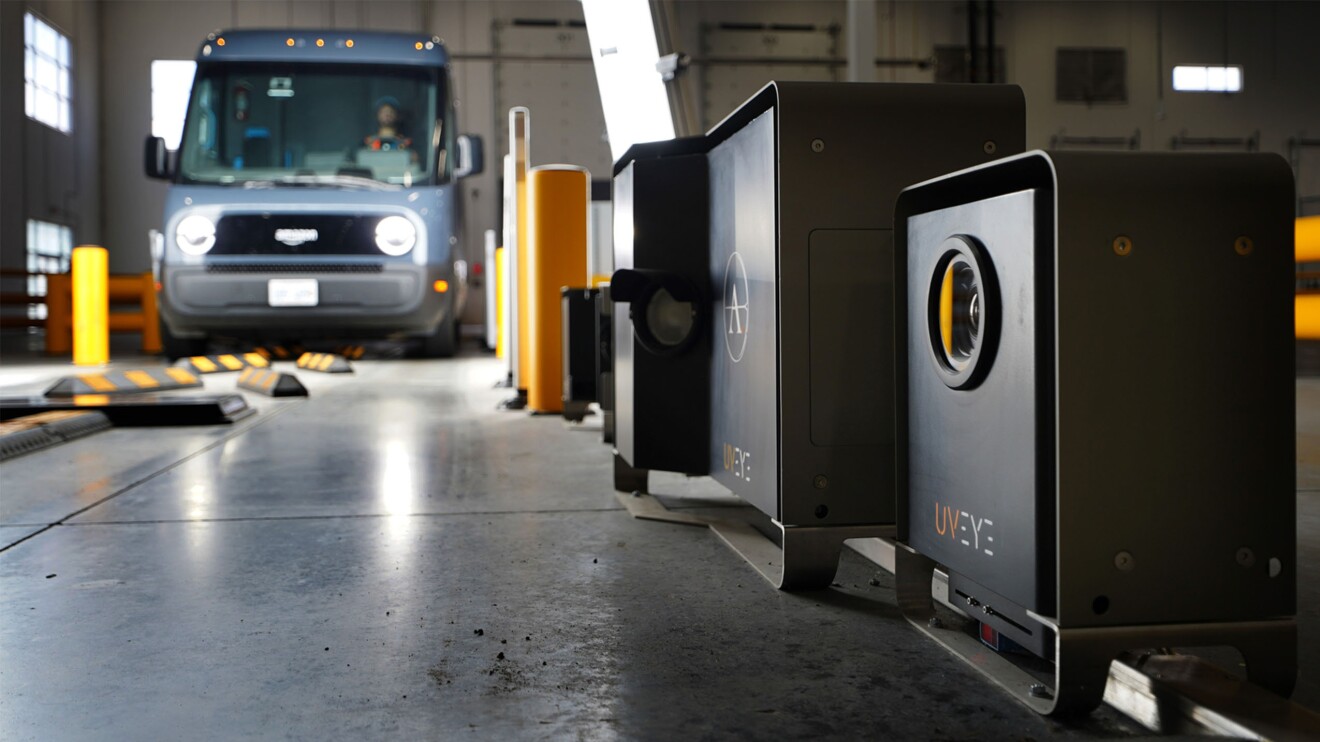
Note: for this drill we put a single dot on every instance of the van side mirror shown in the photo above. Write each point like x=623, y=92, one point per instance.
x=156, y=159
x=471, y=156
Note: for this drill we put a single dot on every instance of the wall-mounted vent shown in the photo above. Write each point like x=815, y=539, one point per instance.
x=1091, y=75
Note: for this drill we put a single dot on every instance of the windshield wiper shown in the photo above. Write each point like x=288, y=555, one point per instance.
x=310, y=181
x=349, y=181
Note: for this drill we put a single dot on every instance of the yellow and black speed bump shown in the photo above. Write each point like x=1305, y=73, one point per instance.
x=45, y=429
x=272, y=383
x=222, y=363
x=352, y=352
x=138, y=409
x=325, y=362
x=125, y=382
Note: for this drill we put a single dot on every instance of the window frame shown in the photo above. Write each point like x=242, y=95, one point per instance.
x=45, y=259
x=35, y=58
x=174, y=129
x=1205, y=69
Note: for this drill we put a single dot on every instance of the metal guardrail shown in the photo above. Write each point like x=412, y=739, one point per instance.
x=1183, y=141
x=1063, y=140
x=136, y=290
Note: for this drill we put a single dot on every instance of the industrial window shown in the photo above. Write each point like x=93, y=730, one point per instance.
x=171, y=79
x=49, y=248
x=47, y=62
x=1200, y=78
x=1091, y=75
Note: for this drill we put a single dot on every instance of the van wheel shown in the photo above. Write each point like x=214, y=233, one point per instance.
x=443, y=342
x=175, y=348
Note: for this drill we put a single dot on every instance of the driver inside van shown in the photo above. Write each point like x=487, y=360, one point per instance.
x=388, y=137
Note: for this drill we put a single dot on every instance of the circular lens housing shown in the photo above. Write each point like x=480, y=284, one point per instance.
x=963, y=313
x=395, y=235
x=195, y=235
x=669, y=321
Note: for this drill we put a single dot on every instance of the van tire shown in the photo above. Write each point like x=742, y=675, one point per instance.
x=175, y=348
x=443, y=343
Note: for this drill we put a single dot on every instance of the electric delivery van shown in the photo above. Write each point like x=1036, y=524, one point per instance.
x=314, y=193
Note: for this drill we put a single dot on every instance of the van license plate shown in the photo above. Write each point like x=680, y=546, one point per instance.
x=293, y=292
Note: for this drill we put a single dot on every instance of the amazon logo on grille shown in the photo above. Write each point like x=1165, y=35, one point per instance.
x=296, y=237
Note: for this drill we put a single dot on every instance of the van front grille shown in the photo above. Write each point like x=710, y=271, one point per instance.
x=296, y=234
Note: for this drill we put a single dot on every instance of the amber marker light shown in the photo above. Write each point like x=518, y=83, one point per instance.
x=441, y=286
x=288, y=42
x=349, y=43
x=220, y=41
x=320, y=42
x=418, y=46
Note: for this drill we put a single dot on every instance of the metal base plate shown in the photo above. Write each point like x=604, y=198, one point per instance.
x=628, y=479
x=807, y=561
x=576, y=411
x=1083, y=656
x=516, y=402
x=1181, y=694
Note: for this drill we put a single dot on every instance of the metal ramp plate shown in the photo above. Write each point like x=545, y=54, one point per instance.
x=35, y=432
x=138, y=409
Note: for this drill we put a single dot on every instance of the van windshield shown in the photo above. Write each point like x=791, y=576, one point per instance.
x=269, y=124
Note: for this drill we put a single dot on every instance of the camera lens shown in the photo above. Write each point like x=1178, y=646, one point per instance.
x=669, y=320
x=965, y=310
x=962, y=313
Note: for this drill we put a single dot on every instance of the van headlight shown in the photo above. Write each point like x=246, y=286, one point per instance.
x=395, y=235
x=195, y=235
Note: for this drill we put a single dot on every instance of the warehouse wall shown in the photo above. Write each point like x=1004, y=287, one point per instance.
x=93, y=180
x=1281, y=97
x=47, y=174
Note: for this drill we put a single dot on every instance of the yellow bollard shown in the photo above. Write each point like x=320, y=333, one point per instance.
x=1307, y=245
x=1307, y=321
x=91, y=306
x=501, y=265
x=1306, y=248
x=558, y=201
x=523, y=300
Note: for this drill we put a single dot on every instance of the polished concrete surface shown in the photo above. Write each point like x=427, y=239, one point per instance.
x=394, y=557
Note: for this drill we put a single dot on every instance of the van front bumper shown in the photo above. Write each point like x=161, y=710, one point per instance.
x=395, y=300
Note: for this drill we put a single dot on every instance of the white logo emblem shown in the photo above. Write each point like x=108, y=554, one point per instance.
x=295, y=237
x=737, y=313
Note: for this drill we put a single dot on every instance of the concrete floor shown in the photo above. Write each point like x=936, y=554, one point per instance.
x=395, y=557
